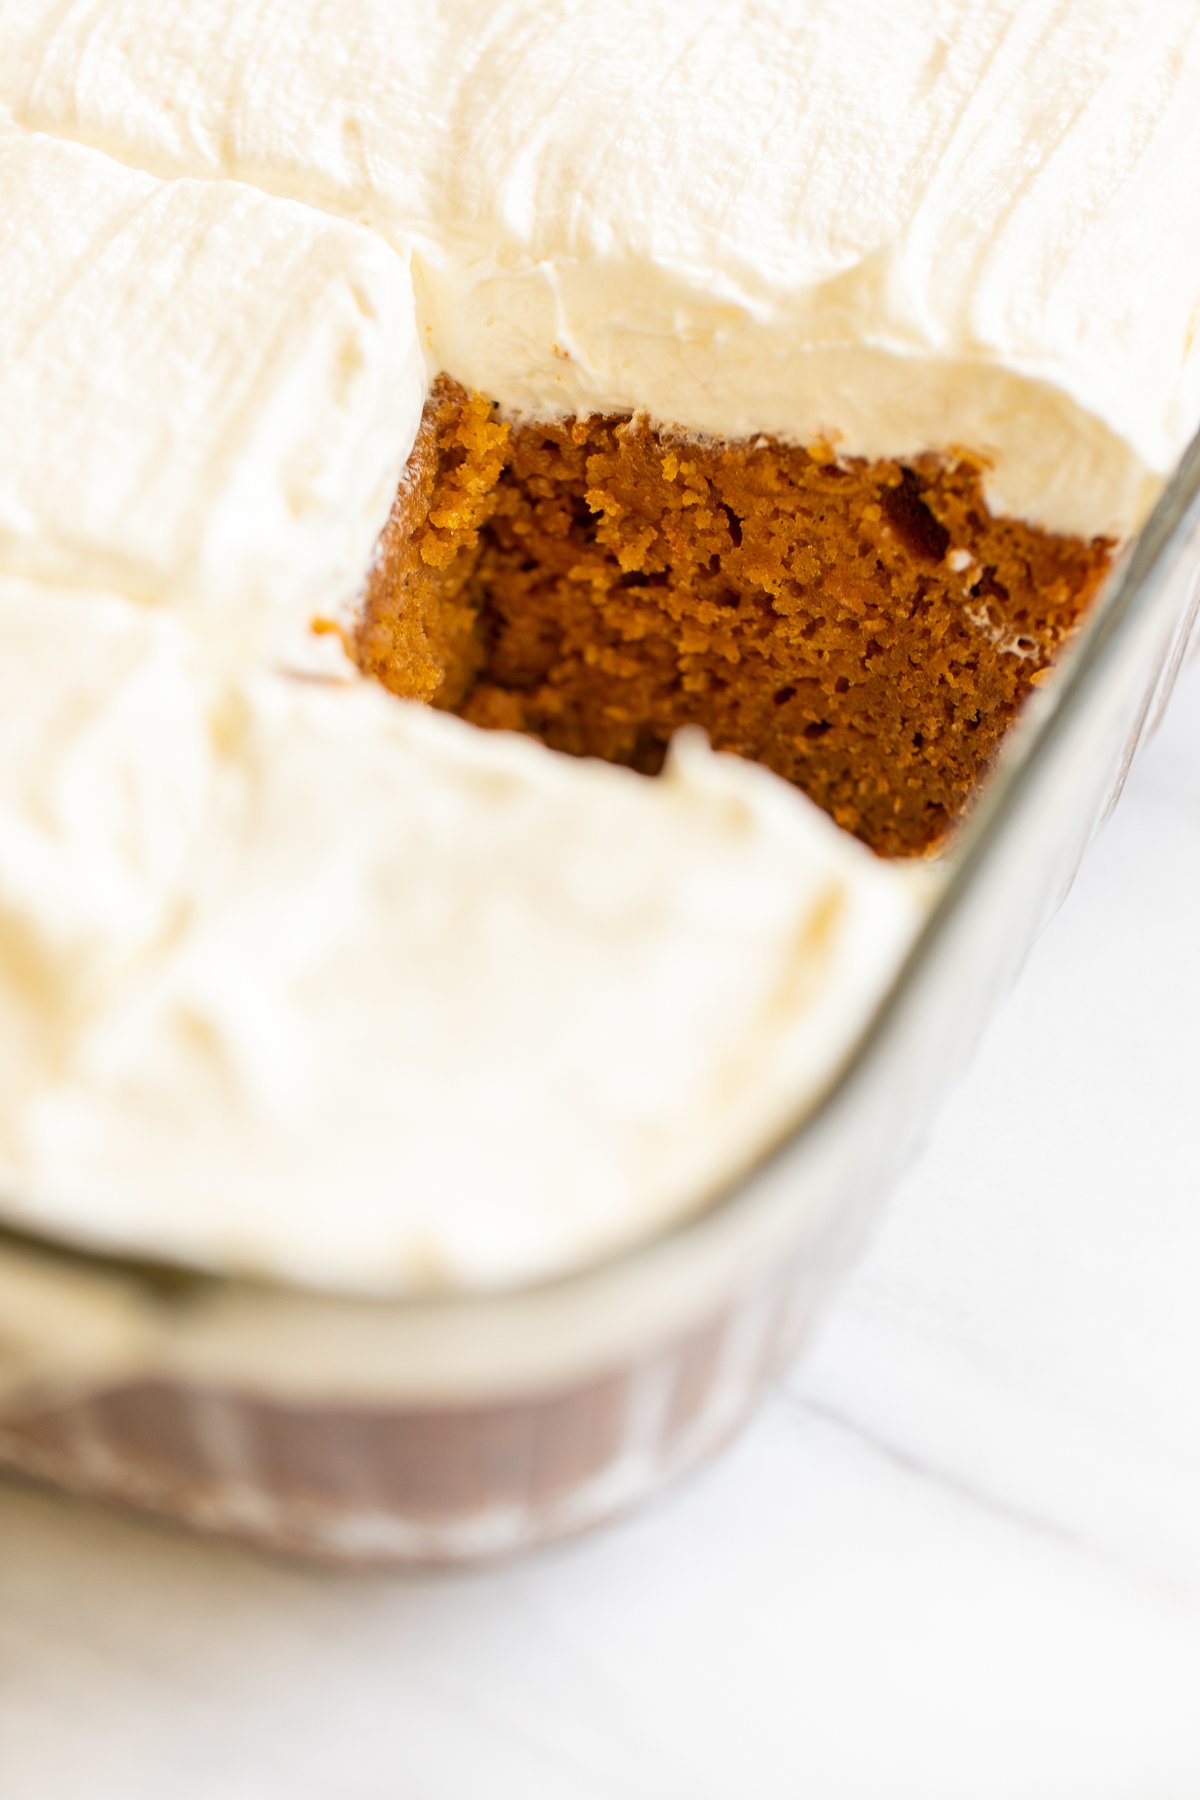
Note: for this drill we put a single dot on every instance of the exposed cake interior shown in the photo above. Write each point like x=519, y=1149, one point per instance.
x=867, y=630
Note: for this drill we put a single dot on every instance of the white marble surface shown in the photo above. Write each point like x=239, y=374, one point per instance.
x=957, y=1555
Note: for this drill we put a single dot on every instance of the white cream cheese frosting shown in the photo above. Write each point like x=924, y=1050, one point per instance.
x=209, y=394
x=898, y=225
x=300, y=980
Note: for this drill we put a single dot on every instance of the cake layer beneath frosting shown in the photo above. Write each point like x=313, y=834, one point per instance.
x=298, y=979
x=866, y=629
x=899, y=226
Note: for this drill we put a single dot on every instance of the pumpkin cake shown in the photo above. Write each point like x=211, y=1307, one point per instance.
x=402, y=393
x=867, y=629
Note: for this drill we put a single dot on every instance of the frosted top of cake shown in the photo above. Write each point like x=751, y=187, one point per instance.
x=210, y=393
x=898, y=225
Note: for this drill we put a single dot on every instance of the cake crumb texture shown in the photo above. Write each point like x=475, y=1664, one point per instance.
x=866, y=629
x=421, y=631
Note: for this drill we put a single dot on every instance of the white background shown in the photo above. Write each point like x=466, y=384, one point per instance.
x=956, y=1557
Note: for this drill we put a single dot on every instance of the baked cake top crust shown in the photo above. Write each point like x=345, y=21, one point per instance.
x=898, y=225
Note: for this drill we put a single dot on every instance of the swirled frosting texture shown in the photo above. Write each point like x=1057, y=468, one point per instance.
x=897, y=226
x=297, y=979
x=210, y=394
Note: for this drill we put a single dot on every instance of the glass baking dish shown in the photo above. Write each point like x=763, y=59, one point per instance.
x=452, y=1430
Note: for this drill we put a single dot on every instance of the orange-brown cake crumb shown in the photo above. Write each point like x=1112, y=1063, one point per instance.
x=420, y=631
x=866, y=629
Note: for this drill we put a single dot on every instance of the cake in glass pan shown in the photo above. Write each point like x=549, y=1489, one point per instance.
x=746, y=400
